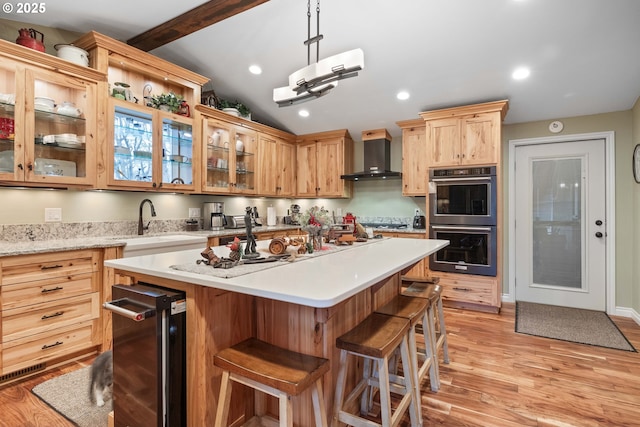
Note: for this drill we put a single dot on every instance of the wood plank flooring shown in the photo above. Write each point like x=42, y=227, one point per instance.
x=496, y=378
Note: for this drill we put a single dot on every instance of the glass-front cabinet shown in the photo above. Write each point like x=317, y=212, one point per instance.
x=47, y=127
x=8, y=116
x=177, y=152
x=230, y=153
x=150, y=148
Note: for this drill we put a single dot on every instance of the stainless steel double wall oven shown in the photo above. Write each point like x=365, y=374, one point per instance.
x=463, y=210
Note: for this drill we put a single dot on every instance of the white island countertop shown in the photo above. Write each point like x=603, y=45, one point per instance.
x=321, y=281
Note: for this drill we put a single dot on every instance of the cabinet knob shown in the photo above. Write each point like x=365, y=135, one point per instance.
x=20, y=166
x=154, y=185
x=30, y=167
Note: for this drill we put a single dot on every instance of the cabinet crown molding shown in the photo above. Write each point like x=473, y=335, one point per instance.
x=466, y=110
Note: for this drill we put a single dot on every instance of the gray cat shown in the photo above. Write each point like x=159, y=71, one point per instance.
x=101, y=378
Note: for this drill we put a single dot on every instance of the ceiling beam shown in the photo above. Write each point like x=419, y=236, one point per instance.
x=189, y=22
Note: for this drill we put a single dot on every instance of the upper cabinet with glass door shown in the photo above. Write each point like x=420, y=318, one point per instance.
x=145, y=147
x=48, y=118
x=230, y=153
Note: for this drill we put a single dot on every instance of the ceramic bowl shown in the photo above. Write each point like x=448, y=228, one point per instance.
x=42, y=101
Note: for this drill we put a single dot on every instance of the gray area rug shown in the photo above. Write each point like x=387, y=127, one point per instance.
x=68, y=394
x=570, y=324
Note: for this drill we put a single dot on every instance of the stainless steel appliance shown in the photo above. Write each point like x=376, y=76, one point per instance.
x=472, y=249
x=463, y=210
x=465, y=196
x=149, y=356
x=213, y=213
x=234, y=221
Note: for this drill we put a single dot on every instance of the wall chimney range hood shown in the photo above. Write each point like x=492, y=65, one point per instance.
x=377, y=157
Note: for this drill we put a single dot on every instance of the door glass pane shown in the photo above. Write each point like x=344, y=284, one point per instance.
x=59, y=130
x=133, y=146
x=7, y=123
x=557, y=222
x=217, y=156
x=177, y=152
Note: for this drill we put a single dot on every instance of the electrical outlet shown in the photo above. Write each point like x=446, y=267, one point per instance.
x=194, y=212
x=52, y=214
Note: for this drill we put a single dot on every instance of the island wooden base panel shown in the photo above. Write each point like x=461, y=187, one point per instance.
x=496, y=378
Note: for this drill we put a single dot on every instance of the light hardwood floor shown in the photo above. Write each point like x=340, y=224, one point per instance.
x=496, y=378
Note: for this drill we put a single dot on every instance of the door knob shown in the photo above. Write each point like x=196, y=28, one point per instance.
x=598, y=222
x=599, y=234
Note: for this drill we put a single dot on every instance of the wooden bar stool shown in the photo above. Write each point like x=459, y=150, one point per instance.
x=273, y=370
x=432, y=292
x=375, y=339
x=415, y=310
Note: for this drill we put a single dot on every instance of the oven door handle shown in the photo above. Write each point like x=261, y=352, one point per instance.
x=475, y=178
x=115, y=306
x=456, y=228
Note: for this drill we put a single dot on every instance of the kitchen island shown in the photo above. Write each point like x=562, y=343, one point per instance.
x=302, y=306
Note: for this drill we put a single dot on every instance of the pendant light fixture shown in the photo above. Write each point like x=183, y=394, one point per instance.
x=319, y=78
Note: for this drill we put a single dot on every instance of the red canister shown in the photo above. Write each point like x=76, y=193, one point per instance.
x=27, y=38
x=350, y=219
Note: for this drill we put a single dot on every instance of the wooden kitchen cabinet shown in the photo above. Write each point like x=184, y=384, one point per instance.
x=152, y=149
x=415, y=167
x=481, y=293
x=468, y=135
x=51, y=307
x=321, y=159
x=142, y=148
x=46, y=145
x=230, y=155
x=276, y=166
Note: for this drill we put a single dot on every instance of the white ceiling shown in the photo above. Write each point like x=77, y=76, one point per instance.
x=584, y=55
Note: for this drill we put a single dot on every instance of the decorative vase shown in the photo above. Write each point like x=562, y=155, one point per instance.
x=317, y=242
x=164, y=107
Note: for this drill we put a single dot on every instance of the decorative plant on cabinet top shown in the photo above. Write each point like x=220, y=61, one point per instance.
x=170, y=100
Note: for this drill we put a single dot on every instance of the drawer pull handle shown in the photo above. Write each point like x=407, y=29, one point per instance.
x=57, y=343
x=462, y=289
x=49, y=267
x=57, y=288
x=49, y=316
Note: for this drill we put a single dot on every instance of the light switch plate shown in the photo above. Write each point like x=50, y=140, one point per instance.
x=194, y=212
x=52, y=214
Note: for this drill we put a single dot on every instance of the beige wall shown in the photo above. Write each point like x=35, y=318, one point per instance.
x=622, y=124
x=52, y=36
x=635, y=259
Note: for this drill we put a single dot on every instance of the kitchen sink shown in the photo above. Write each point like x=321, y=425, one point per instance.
x=148, y=245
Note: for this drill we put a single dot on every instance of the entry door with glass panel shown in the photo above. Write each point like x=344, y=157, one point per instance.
x=560, y=224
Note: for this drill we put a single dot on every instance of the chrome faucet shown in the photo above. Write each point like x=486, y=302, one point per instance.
x=141, y=226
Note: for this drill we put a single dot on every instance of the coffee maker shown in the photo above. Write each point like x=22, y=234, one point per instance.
x=213, y=213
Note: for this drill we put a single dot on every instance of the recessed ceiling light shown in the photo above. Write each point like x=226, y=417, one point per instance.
x=303, y=113
x=520, y=73
x=403, y=95
x=255, y=69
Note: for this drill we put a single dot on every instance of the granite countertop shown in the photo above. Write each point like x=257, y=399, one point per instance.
x=89, y=242
x=323, y=281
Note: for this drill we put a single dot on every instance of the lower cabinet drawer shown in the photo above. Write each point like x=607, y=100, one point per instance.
x=34, y=319
x=39, y=348
x=41, y=291
x=469, y=288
